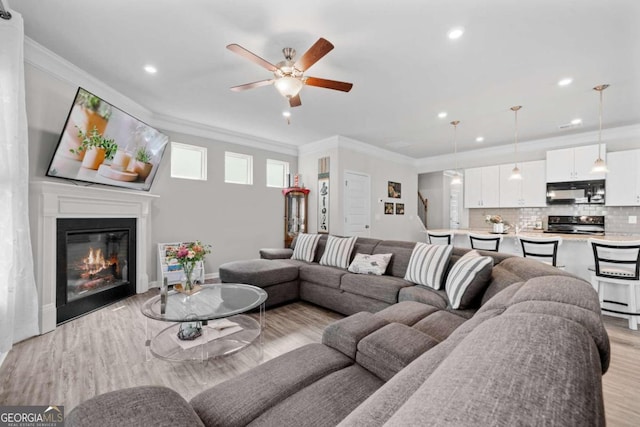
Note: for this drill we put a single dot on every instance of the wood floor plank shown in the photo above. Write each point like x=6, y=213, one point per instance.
x=105, y=351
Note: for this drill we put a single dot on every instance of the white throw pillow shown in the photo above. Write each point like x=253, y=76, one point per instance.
x=428, y=264
x=370, y=264
x=305, y=248
x=467, y=278
x=338, y=251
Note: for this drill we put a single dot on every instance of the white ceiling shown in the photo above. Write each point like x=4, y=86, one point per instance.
x=404, y=68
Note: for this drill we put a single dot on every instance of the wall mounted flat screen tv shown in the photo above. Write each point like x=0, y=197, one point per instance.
x=102, y=144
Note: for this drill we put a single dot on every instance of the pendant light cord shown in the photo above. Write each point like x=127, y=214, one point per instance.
x=600, y=129
x=516, y=138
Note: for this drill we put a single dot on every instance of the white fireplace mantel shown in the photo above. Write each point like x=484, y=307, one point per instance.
x=50, y=200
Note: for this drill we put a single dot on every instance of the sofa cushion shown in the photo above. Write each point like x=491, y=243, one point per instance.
x=258, y=272
x=383, y=288
x=345, y=334
x=401, y=254
x=375, y=264
x=305, y=248
x=326, y=402
x=137, y=406
x=468, y=278
x=389, y=349
x=406, y=312
x=424, y=295
x=276, y=253
x=428, y=264
x=240, y=400
x=322, y=275
x=337, y=252
x=440, y=324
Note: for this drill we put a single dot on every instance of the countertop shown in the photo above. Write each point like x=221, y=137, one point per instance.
x=620, y=237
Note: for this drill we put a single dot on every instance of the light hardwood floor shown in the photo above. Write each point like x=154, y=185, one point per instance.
x=105, y=351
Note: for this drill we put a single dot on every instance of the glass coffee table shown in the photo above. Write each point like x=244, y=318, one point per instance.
x=218, y=309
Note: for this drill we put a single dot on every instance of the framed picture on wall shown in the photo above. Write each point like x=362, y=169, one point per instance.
x=399, y=208
x=394, y=190
x=388, y=208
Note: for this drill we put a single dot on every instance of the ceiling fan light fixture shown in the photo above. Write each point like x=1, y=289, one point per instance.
x=288, y=86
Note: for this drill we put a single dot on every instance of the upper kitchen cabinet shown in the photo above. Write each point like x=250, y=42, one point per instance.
x=623, y=179
x=573, y=164
x=482, y=187
x=530, y=191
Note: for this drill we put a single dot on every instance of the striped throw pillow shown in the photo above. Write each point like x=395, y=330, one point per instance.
x=305, y=248
x=428, y=264
x=338, y=251
x=467, y=278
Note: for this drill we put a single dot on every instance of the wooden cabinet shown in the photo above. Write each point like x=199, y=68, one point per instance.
x=530, y=191
x=623, y=179
x=482, y=187
x=573, y=164
x=295, y=213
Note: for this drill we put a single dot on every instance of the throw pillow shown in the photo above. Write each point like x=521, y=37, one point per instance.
x=428, y=264
x=305, y=248
x=338, y=251
x=467, y=278
x=370, y=264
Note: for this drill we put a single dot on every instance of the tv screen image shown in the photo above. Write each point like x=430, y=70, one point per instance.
x=102, y=144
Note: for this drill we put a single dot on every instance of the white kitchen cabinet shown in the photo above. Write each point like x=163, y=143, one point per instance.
x=482, y=187
x=573, y=164
x=530, y=191
x=623, y=179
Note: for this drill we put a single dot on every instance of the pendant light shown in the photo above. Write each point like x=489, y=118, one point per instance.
x=599, y=166
x=515, y=173
x=457, y=177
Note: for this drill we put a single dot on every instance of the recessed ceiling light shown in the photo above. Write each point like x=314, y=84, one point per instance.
x=455, y=33
x=286, y=113
x=565, y=82
x=480, y=139
x=442, y=115
x=150, y=69
x=576, y=121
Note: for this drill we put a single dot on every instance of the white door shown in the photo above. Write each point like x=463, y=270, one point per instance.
x=473, y=188
x=622, y=178
x=560, y=165
x=490, y=186
x=357, y=211
x=510, y=189
x=583, y=161
x=534, y=186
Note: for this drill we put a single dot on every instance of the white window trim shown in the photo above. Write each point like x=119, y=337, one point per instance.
x=284, y=175
x=203, y=160
x=249, y=175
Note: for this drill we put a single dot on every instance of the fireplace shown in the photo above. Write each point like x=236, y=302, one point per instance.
x=96, y=264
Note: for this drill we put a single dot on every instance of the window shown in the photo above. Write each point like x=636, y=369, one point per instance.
x=277, y=172
x=188, y=161
x=238, y=168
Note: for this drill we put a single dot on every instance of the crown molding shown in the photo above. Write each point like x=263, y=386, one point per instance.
x=174, y=124
x=343, y=142
x=529, y=150
x=49, y=62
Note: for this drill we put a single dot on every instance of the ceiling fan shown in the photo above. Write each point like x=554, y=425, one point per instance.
x=288, y=75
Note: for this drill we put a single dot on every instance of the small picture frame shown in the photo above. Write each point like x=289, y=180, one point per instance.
x=388, y=208
x=399, y=208
x=394, y=190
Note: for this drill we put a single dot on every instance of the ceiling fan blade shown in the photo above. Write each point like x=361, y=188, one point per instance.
x=328, y=84
x=251, y=57
x=247, y=86
x=313, y=55
x=295, y=101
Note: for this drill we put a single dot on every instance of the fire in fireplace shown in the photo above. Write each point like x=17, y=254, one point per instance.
x=96, y=263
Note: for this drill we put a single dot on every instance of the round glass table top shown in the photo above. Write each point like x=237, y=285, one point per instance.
x=211, y=302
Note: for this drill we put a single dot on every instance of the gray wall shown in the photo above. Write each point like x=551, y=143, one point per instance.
x=236, y=220
x=431, y=186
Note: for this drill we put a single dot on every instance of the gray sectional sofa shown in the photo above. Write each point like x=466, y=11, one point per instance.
x=530, y=350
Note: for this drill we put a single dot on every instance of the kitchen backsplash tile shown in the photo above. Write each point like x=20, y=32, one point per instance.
x=616, y=217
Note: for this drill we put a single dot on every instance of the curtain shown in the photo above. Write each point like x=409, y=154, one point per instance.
x=18, y=294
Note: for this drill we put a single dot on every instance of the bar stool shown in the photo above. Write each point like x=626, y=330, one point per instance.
x=543, y=249
x=439, y=238
x=485, y=242
x=617, y=263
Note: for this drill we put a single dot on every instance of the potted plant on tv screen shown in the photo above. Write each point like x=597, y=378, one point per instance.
x=142, y=164
x=89, y=112
x=96, y=148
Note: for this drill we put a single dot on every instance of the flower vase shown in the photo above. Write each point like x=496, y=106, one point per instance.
x=498, y=227
x=188, y=279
